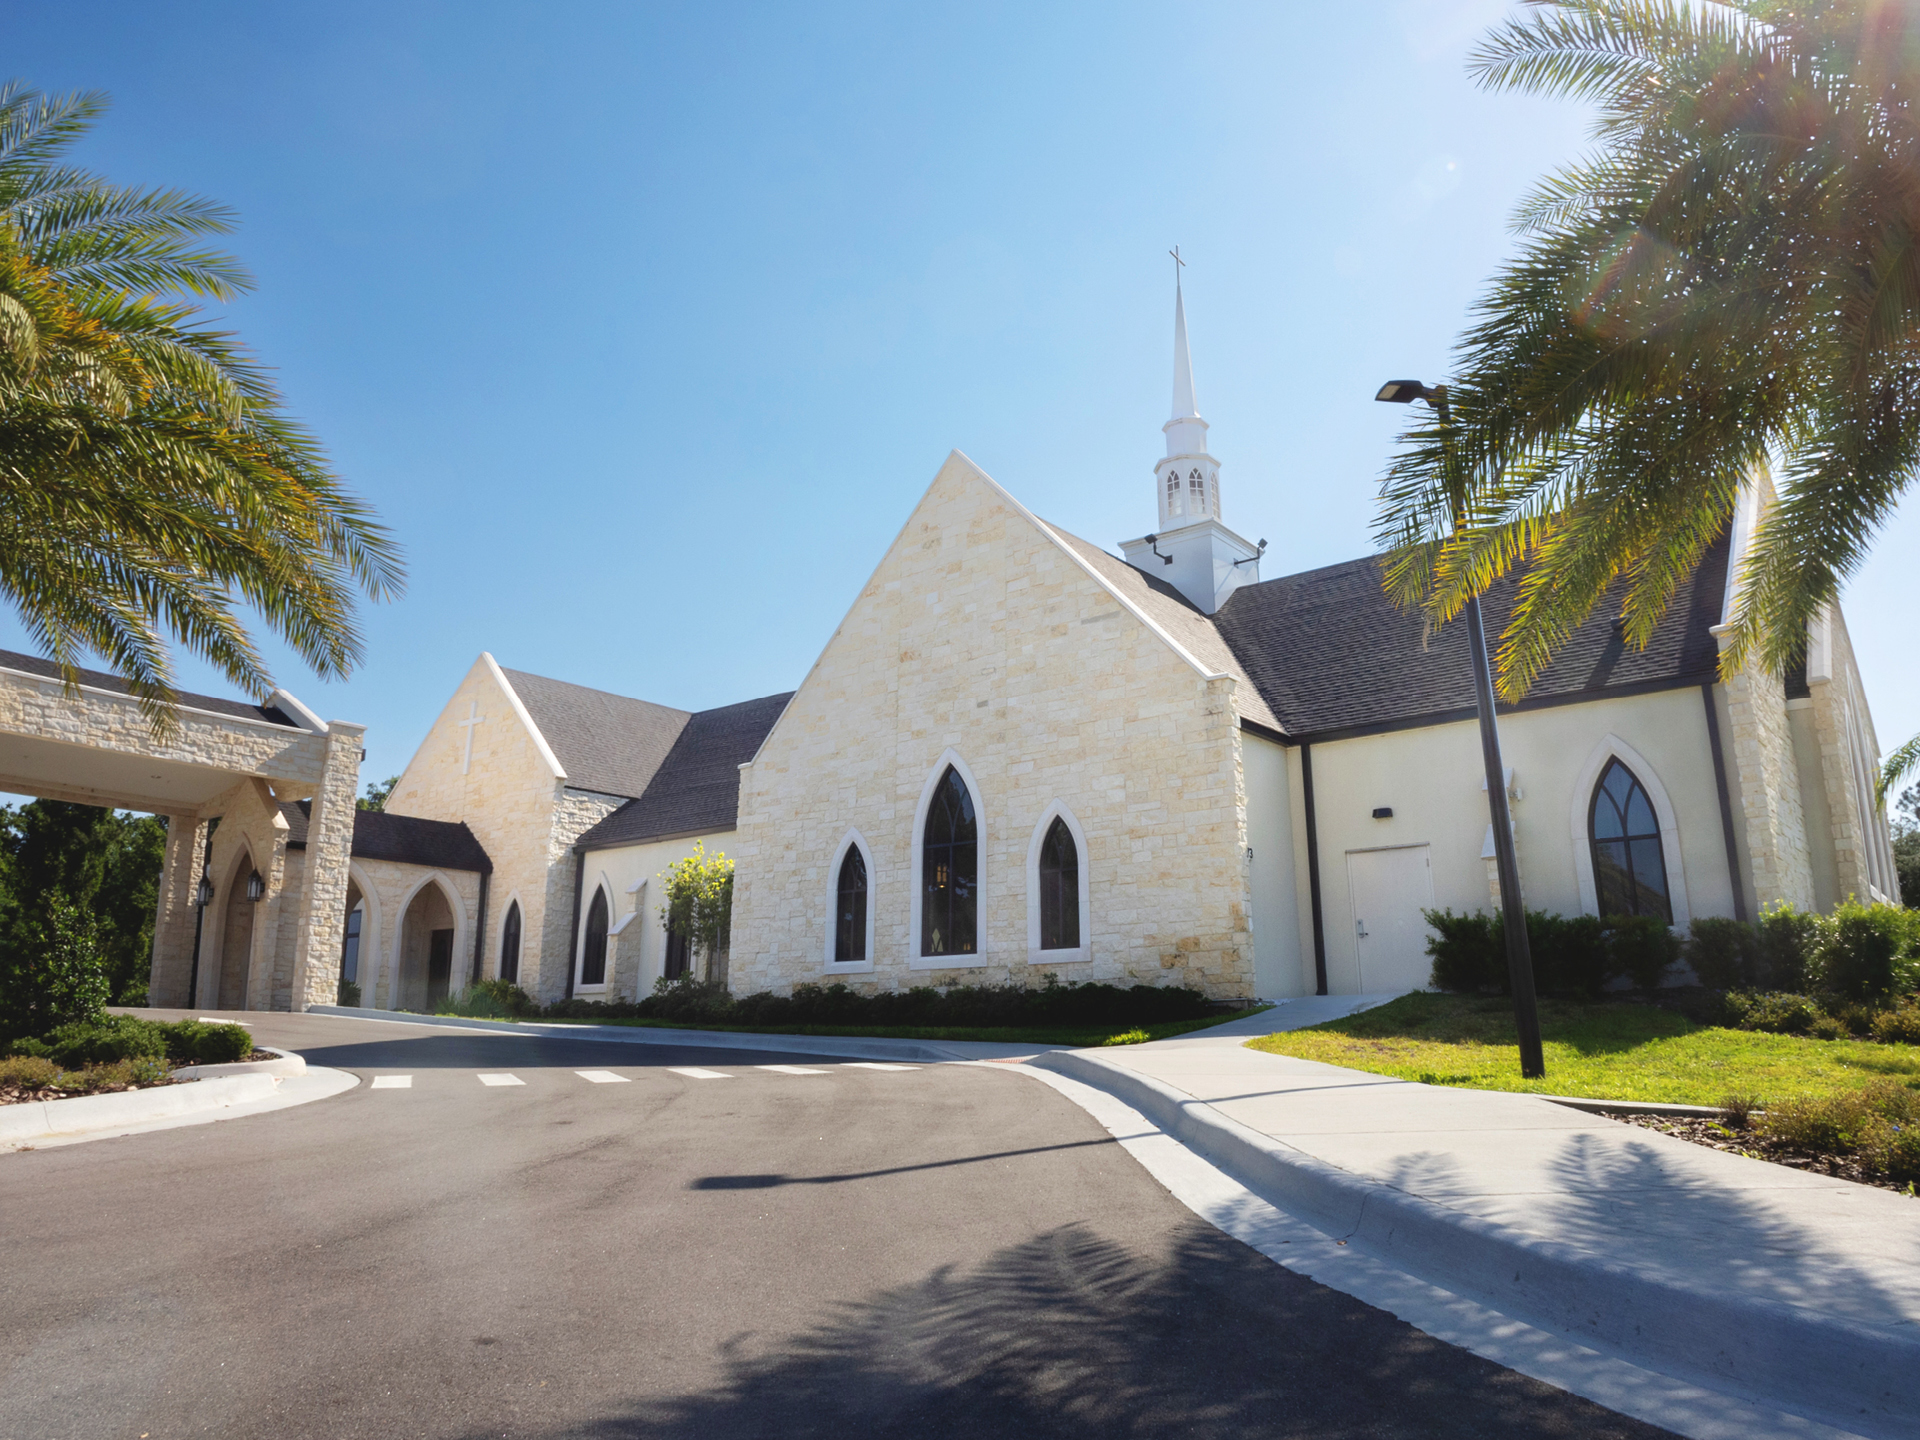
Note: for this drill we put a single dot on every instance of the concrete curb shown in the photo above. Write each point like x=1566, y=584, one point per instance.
x=866, y=1047
x=1639, y=1107
x=42, y=1119
x=288, y=1064
x=1757, y=1343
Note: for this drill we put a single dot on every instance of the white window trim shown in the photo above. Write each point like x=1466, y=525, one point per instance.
x=605, y=887
x=1614, y=748
x=853, y=839
x=915, y=960
x=1084, y=950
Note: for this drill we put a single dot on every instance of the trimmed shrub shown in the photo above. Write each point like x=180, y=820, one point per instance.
x=1772, y=1011
x=1898, y=1027
x=1643, y=948
x=490, y=999
x=1865, y=953
x=97, y=1042
x=1570, y=952
x=1469, y=952
x=1784, y=938
x=1724, y=953
x=30, y=1072
x=196, y=1042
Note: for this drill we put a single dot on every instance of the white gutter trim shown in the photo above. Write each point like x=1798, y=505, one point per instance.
x=526, y=719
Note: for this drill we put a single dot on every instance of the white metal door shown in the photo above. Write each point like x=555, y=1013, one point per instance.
x=1389, y=889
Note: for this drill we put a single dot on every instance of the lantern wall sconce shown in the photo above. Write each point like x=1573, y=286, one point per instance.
x=203, y=893
x=256, y=887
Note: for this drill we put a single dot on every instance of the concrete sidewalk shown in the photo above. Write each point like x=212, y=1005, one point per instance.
x=1796, y=1288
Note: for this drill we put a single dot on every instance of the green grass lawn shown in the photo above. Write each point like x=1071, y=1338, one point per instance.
x=1602, y=1051
x=1084, y=1038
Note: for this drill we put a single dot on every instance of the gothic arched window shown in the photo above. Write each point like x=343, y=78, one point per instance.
x=850, y=913
x=593, y=954
x=1629, y=863
x=510, y=945
x=1196, y=494
x=1173, y=492
x=1059, y=889
x=949, y=871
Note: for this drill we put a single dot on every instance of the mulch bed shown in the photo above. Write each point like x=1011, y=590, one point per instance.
x=1715, y=1135
x=24, y=1094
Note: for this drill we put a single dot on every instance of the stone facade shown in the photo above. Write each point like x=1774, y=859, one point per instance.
x=1769, y=816
x=387, y=892
x=982, y=635
x=484, y=761
x=1848, y=766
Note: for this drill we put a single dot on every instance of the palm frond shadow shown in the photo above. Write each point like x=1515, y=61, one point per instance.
x=1071, y=1335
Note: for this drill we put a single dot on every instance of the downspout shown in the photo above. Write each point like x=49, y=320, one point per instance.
x=200, y=918
x=573, y=933
x=480, y=930
x=1313, y=873
x=1726, y=802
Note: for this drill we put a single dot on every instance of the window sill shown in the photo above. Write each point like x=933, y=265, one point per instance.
x=848, y=967
x=1059, y=957
x=590, y=989
x=947, y=962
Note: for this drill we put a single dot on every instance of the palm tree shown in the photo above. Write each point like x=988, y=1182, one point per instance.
x=1729, y=284
x=150, y=482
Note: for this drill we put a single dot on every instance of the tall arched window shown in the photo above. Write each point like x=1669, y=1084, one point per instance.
x=850, y=909
x=510, y=945
x=1173, y=492
x=1059, y=889
x=1197, y=494
x=1629, y=864
x=950, y=871
x=593, y=954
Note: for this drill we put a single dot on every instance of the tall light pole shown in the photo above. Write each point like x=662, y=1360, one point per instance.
x=1526, y=1009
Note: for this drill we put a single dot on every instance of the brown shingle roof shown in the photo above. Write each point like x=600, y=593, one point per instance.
x=607, y=743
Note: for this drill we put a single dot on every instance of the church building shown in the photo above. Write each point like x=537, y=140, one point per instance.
x=1021, y=755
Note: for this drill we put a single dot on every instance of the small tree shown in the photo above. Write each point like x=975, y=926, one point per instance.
x=699, y=908
x=378, y=793
x=59, y=982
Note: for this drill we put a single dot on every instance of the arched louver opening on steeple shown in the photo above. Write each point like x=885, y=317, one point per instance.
x=1173, y=493
x=850, y=913
x=1059, y=889
x=510, y=945
x=950, y=871
x=1629, y=862
x=593, y=951
x=1196, y=493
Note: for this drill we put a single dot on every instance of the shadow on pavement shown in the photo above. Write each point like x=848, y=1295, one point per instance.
x=769, y=1182
x=1069, y=1335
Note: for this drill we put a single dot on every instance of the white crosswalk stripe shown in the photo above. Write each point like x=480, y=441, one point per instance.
x=500, y=1080
x=694, y=1072
x=792, y=1070
x=601, y=1077
x=393, y=1082
x=877, y=1065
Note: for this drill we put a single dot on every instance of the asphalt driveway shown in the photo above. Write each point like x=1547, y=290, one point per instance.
x=676, y=1243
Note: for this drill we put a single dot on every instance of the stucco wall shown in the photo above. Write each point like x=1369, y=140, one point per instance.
x=637, y=956
x=980, y=635
x=1279, y=893
x=1432, y=780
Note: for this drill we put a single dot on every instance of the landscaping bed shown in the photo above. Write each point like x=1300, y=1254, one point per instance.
x=116, y=1052
x=1086, y=1039
x=1870, y=1137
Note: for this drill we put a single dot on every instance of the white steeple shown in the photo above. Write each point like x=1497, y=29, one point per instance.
x=1202, y=550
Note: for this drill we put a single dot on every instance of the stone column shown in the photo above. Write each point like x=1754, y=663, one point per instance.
x=323, y=899
x=267, y=915
x=174, y=912
x=1762, y=757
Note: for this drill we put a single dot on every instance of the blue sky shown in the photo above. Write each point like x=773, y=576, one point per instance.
x=645, y=326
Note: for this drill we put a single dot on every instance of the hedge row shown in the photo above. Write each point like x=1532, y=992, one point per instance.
x=127, y=1037
x=690, y=1001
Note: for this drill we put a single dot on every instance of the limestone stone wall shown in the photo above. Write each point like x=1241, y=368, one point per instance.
x=544, y=973
x=981, y=635
x=1849, y=758
x=388, y=889
x=322, y=907
x=510, y=793
x=251, y=835
x=1770, y=817
x=104, y=720
x=174, y=912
